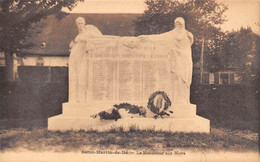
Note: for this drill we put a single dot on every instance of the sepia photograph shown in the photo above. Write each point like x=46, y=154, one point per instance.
x=129, y=80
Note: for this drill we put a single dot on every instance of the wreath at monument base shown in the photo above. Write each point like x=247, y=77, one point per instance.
x=159, y=105
x=132, y=109
x=114, y=113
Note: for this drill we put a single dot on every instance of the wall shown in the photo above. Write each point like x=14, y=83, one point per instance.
x=43, y=73
x=47, y=61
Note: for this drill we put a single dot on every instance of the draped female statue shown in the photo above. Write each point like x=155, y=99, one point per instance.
x=180, y=62
x=78, y=61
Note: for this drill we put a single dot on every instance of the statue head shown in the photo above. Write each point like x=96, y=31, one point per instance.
x=80, y=21
x=179, y=23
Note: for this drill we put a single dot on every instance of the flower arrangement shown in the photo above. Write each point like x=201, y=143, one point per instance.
x=158, y=104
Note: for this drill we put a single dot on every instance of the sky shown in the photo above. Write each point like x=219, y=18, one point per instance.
x=240, y=12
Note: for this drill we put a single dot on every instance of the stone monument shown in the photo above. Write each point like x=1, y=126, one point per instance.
x=108, y=70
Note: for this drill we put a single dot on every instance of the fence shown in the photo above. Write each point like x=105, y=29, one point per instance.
x=43, y=73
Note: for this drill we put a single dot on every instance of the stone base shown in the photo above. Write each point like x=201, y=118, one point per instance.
x=193, y=124
x=77, y=116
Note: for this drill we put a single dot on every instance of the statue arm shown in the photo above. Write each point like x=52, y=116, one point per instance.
x=79, y=38
x=157, y=37
x=72, y=43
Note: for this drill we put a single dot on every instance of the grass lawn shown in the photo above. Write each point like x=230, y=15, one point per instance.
x=40, y=139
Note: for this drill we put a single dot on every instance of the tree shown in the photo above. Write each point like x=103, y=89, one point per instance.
x=215, y=51
x=237, y=46
x=202, y=18
x=16, y=23
x=241, y=52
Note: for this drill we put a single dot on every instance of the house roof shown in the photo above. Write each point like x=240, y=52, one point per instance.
x=57, y=34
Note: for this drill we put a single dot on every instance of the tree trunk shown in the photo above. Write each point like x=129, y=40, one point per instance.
x=201, y=60
x=9, y=66
x=7, y=40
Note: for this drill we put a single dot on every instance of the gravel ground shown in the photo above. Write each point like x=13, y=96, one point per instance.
x=43, y=140
x=43, y=145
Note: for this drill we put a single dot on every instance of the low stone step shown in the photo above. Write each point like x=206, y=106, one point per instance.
x=195, y=124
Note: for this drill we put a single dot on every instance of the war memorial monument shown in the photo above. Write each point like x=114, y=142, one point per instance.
x=110, y=70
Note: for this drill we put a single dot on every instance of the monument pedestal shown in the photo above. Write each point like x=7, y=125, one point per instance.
x=77, y=116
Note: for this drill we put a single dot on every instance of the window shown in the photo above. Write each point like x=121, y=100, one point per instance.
x=205, y=78
x=223, y=78
x=232, y=79
x=216, y=78
x=2, y=59
x=39, y=61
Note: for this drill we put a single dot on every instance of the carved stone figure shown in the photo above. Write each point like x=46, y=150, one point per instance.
x=78, y=61
x=179, y=42
x=181, y=62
